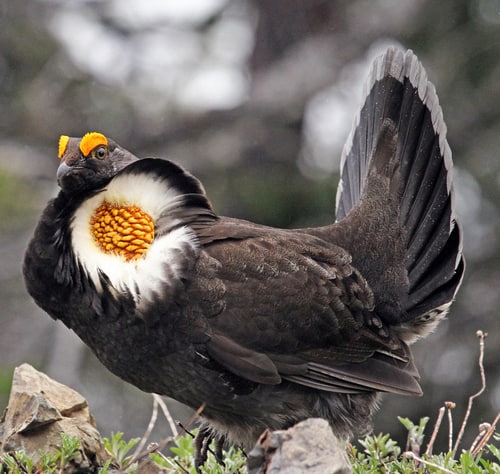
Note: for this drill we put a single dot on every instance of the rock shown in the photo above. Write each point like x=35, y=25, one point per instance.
x=309, y=446
x=40, y=410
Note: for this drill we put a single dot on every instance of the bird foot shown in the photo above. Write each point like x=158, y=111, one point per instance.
x=202, y=447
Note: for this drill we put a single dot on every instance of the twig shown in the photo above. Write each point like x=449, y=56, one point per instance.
x=159, y=446
x=450, y=406
x=482, y=336
x=183, y=468
x=489, y=433
x=483, y=429
x=171, y=461
x=153, y=447
x=411, y=455
x=437, y=425
x=166, y=414
x=185, y=430
x=191, y=420
x=147, y=433
x=19, y=465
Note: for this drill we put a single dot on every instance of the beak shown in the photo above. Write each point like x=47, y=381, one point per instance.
x=62, y=171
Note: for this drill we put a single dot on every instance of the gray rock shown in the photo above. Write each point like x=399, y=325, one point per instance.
x=309, y=446
x=40, y=410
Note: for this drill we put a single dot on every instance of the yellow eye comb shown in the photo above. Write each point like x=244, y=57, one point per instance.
x=63, y=144
x=92, y=140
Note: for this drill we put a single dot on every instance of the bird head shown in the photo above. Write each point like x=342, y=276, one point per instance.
x=89, y=162
x=120, y=206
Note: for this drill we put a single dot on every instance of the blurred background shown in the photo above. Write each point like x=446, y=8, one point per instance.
x=256, y=98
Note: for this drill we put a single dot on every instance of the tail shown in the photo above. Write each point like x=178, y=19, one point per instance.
x=399, y=138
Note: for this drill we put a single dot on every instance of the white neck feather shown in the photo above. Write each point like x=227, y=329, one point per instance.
x=162, y=264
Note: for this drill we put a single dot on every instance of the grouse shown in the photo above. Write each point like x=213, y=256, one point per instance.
x=262, y=327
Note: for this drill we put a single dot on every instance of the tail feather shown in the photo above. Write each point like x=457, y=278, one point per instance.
x=438, y=285
x=382, y=100
x=398, y=92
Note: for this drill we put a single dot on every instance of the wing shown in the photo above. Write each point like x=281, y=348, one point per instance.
x=282, y=305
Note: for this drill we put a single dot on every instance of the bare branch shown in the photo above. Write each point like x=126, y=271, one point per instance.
x=413, y=456
x=482, y=336
x=147, y=433
x=489, y=433
x=450, y=406
x=166, y=414
x=483, y=429
x=156, y=447
x=191, y=420
x=428, y=451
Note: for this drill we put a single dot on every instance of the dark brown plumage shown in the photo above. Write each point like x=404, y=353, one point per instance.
x=263, y=326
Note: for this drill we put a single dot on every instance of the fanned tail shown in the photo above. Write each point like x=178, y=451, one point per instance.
x=400, y=101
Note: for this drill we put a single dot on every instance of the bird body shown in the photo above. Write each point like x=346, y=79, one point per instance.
x=263, y=327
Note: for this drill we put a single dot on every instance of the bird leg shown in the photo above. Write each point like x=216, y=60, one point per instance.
x=202, y=447
x=219, y=445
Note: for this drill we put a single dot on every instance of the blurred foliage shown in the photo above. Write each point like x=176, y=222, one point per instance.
x=5, y=384
x=14, y=211
x=285, y=198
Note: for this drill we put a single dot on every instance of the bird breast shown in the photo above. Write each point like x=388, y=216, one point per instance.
x=123, y=230
x=113, y=234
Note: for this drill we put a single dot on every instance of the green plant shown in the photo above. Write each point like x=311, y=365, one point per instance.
x=415, y=433
x=183, y=459
x=119, y=450
x=54, y=462
x=380, y=454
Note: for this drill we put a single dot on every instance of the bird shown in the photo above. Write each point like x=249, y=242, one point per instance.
x=261, y=327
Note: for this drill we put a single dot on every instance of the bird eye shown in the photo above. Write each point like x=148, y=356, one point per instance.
x=101, y=153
